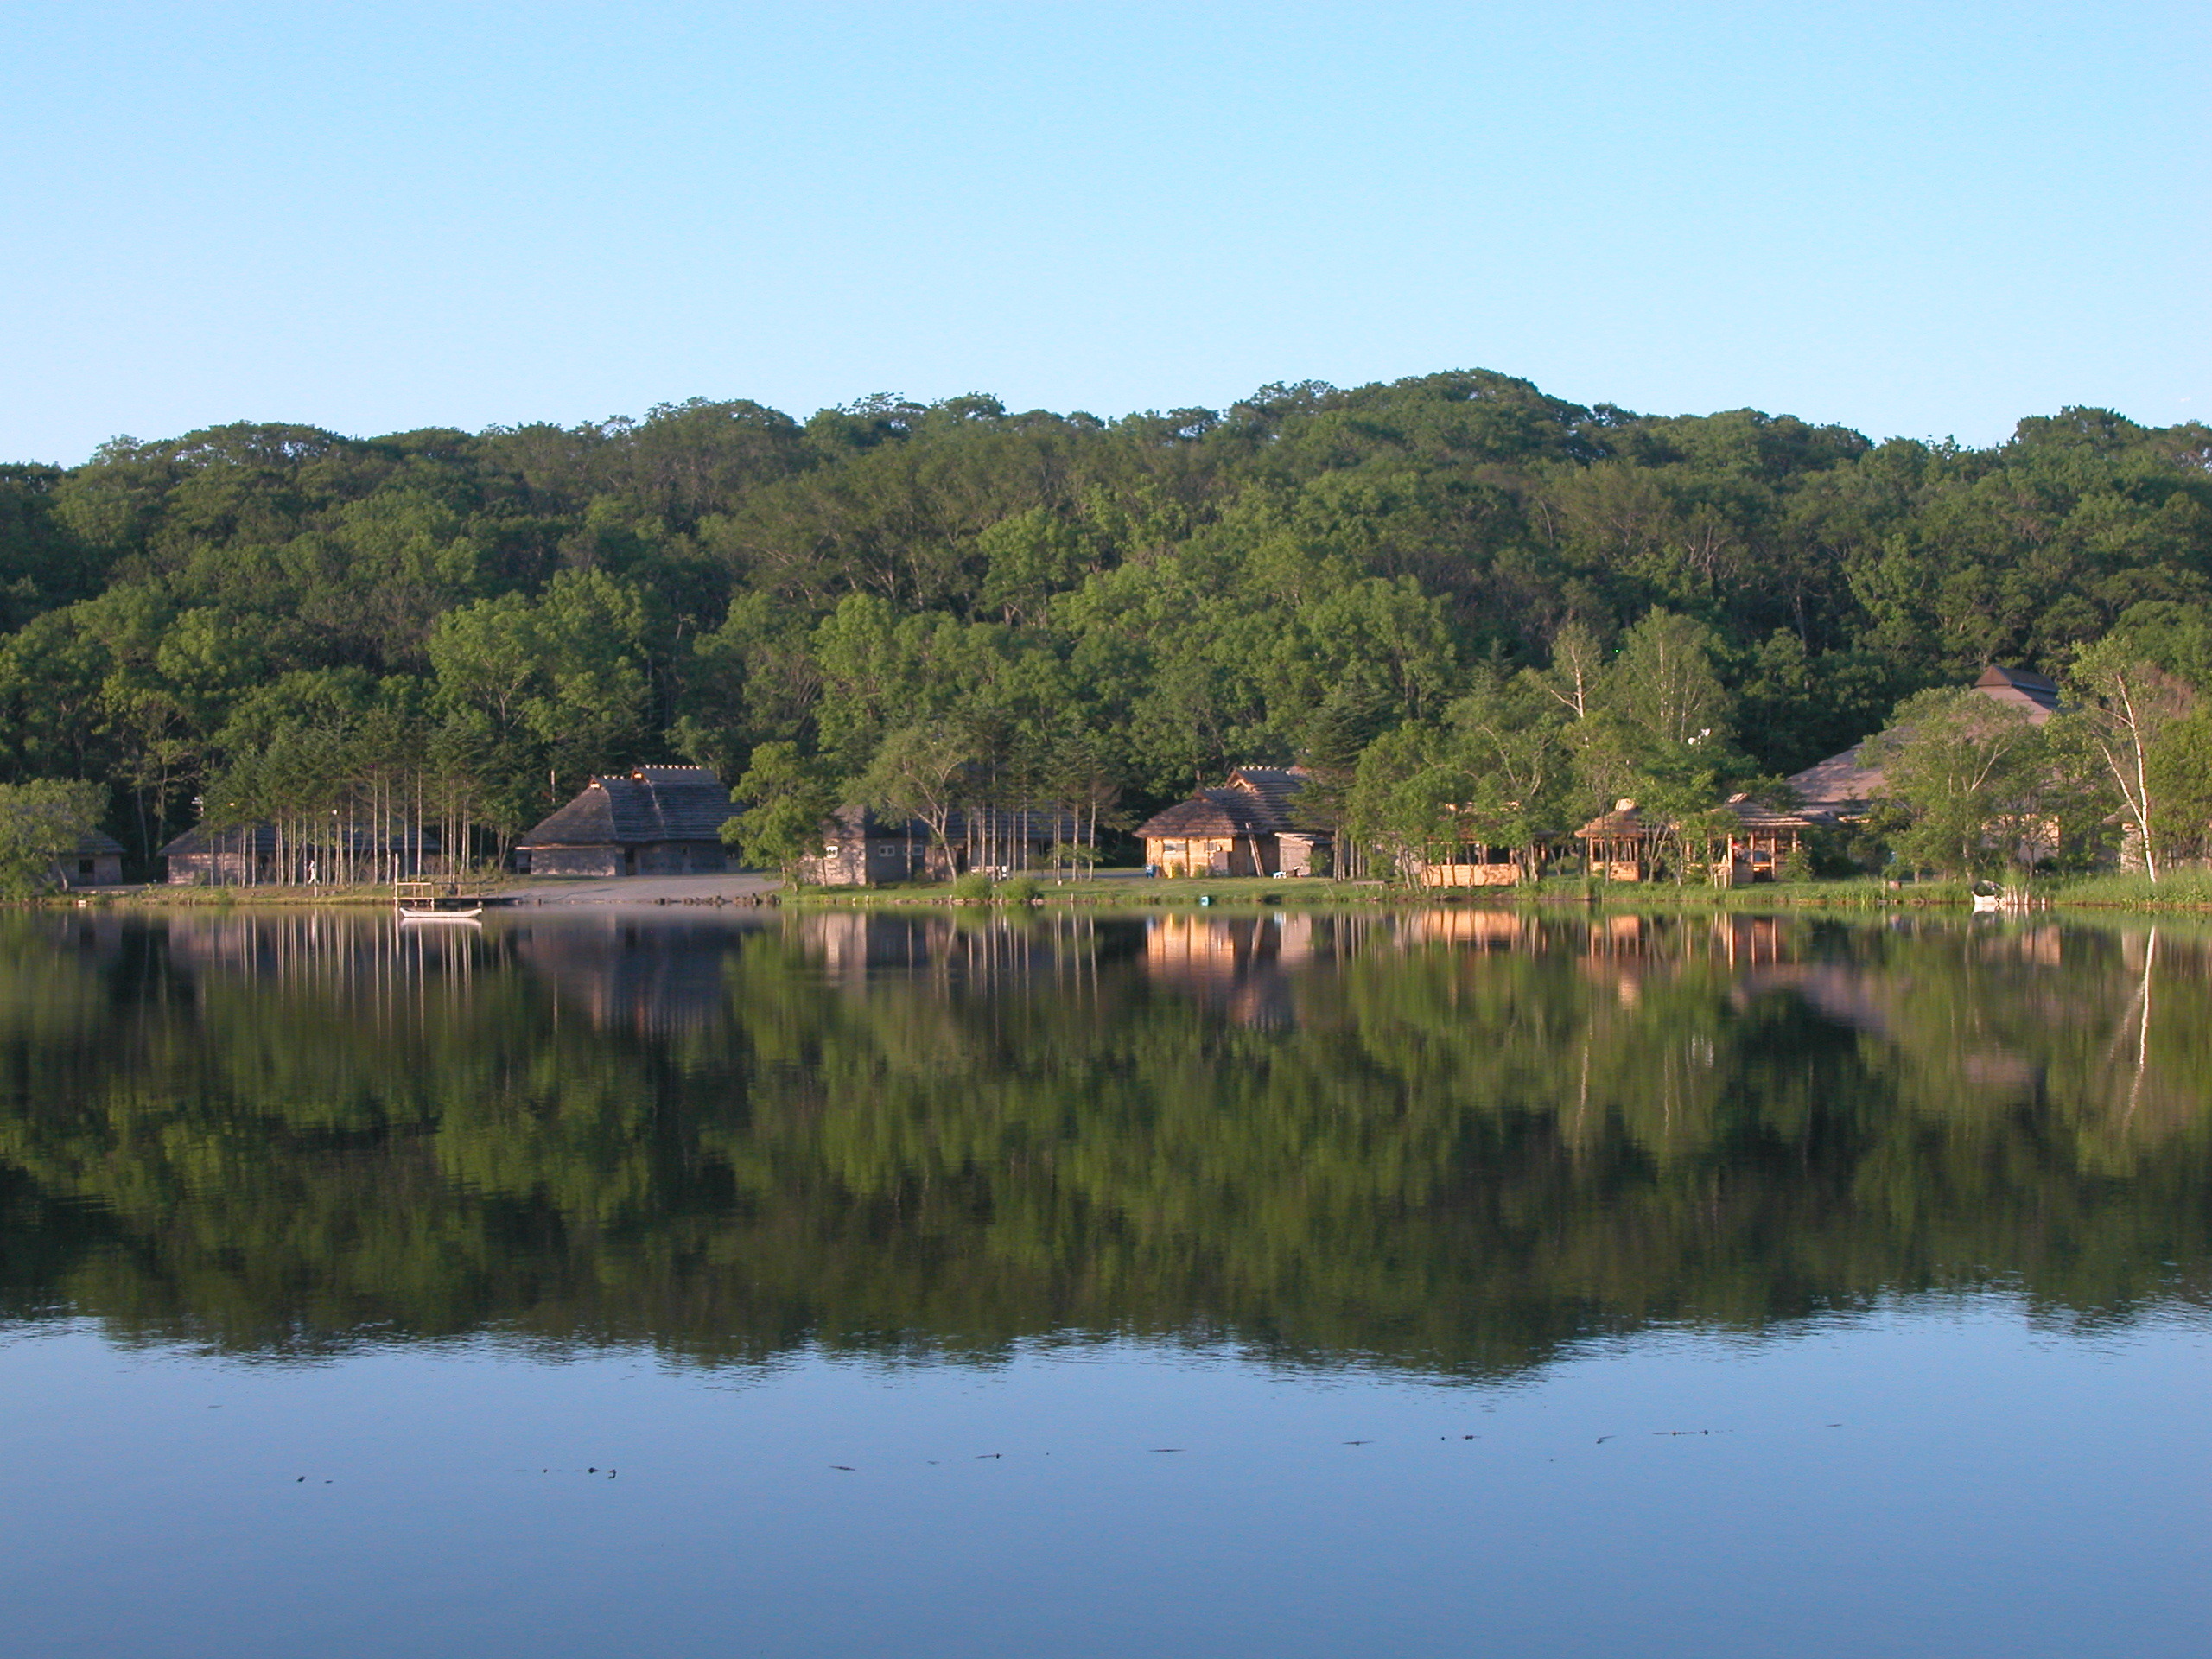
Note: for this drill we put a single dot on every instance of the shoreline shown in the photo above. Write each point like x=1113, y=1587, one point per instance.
x=1130, y=891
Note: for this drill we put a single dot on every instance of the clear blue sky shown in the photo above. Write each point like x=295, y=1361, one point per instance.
x=1926, y=220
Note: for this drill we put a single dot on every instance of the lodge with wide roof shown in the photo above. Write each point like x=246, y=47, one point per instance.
x=653, y=821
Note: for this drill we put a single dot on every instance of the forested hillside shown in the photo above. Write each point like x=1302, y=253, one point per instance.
x=290, y=622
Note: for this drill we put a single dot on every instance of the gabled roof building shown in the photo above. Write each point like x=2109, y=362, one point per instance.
x=1619, y=844
x=653, y=821
x=1243, y=828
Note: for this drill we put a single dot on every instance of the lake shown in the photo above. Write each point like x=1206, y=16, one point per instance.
x=1426, y=1281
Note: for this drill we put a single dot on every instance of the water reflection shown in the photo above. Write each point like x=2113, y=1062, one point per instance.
x=1448, y=1140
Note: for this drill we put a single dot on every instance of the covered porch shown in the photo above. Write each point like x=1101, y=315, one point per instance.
x=1618, y=846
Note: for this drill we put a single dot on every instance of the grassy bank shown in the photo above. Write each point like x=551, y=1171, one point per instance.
x=2176, y=890
x=2181, y=891
x=1115, y=891
x=161, y=896
x=1112, y=892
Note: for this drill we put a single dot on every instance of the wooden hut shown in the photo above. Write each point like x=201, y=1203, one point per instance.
x=1620, y=844
x=243, y=855
x=1623, y=844
x=655, y=821
x=96, y=861
x=1760, y=839
x=1243, y=828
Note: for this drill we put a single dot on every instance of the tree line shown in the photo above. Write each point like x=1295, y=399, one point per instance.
x=1451, y=585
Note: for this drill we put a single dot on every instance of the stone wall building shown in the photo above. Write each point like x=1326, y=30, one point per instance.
x=862, y=848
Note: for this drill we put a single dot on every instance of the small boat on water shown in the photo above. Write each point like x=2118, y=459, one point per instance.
x=422, y=901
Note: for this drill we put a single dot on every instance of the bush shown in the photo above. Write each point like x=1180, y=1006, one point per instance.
x=1022, y=890
x=40, y=823
x=975, y=888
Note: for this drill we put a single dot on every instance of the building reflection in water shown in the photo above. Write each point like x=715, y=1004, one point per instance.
x=1380, y=1129
x=1240, y=967
x=665, y=975
x=653, y=978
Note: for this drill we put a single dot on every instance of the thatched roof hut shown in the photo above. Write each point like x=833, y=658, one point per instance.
x=1212, y=812
x=1625, y=820
x=656, y=821
x=1256, y=800
x=1843, y=785
x=1763, y=837
x=1758, y=818
x=1244, y=826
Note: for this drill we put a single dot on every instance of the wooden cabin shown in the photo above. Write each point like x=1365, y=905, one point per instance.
x=243, y=855
x=1243, y=828
x=1623, y=844
x=655, y=821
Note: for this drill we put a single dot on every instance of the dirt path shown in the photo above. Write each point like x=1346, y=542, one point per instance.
x=635, y=889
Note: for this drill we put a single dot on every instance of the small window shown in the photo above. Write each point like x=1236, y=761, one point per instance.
x=85, y=866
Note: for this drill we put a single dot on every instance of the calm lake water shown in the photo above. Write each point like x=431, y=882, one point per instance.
x=1409, y=1283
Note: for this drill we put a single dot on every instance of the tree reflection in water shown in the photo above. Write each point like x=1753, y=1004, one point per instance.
x=1449, y=1140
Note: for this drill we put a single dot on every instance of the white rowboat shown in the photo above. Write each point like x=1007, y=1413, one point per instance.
x=420, y=901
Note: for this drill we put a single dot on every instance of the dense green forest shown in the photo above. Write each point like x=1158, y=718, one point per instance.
x=460, y=627
x=1339, y=1137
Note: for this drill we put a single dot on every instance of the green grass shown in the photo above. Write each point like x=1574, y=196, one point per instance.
x=1122, y=892
x=1845, y=892
x=1116, y=890
x=2184, y=890
x=2188, y=889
